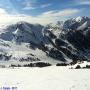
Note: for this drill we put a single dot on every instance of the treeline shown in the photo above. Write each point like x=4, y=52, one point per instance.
x=38, y=64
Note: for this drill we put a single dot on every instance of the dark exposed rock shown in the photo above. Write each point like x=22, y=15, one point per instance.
x=69, y=53
x=60, y=42
x=5, y=57
x=51, y=35
x=56, y=54
x=78, y=40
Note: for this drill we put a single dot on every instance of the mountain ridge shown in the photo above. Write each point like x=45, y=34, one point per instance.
x=63, y=42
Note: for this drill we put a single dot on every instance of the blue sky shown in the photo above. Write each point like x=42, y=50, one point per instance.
x=44, y=11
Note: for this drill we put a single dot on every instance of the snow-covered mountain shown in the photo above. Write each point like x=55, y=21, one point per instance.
x=77, y=23
x=61, y=42
x=23, y=32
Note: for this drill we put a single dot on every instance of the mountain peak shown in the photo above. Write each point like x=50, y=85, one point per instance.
x=82, y=18
x=75, y=23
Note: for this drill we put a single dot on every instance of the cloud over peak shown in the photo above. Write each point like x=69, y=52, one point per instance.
x=44, y=18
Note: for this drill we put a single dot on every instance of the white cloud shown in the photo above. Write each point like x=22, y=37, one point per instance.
x=85, y=3
x=45, y=5
x=2, y=11
x=82, y=2
x=44, y=18
x=64, y=12
x=28, y=6
x=52, y=16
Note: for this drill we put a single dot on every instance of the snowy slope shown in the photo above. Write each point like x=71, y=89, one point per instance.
x=20, y=52
x=49, y=78
x=84, y=25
